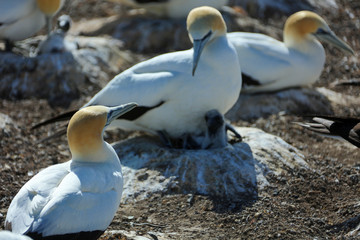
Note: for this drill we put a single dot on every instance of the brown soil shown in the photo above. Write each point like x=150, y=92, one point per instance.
x=319, y=204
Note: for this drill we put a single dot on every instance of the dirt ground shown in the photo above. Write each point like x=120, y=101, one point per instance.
x=323, y=203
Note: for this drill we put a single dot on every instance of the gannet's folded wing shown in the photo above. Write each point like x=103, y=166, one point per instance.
x=32, y=197
x=148, y=83
x=261, y=57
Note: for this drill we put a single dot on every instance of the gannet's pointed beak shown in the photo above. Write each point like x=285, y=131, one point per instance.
x=199, y=45
x=117, y=111
x=331, y=38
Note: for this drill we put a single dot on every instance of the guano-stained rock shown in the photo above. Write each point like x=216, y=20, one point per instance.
x=236, y=172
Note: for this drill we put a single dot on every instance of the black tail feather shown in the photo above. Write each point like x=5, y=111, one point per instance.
x=55, y=135
x=62, y=117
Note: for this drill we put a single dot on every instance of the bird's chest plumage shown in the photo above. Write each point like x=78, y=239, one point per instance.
x=215, y=85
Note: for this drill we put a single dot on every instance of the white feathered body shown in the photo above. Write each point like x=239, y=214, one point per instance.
x=274, y=65
x=215, y=85
x=6, y=235
x=68, y=198
x=20, y=19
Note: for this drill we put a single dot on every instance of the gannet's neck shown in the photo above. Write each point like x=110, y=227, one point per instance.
x=85, y=135
x=101, y=155
x=217, y=49
x=304, y=43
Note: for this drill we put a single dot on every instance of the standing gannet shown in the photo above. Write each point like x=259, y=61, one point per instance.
x=175, y=90
x=270, y=65
x=20, y=19
x=79, y=198
x=172, y=8
x=344, y=127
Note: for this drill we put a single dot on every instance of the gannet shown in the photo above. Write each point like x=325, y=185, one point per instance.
x=79, y=198
x=20, y=19
x=172, y=8
x=6, y=235
x=270, y=65
x=49, y=8
x=175, y=90
x=56, y=42
x=344, y=127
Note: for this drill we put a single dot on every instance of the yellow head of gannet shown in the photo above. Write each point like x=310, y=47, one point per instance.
x=76, y=199
x=305, y=25
x=86, y=128
x=204, y=24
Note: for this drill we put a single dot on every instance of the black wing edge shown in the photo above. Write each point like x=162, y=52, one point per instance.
x=62, y=117
x=138, y=112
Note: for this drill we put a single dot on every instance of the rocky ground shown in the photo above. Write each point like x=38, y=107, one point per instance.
x=322, y=203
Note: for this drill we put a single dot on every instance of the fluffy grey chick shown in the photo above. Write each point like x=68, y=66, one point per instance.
x=216, y=131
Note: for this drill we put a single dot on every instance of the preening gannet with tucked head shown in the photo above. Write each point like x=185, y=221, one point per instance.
x=79, y=198
x=20, y=19
x=172, y=8
x=270, y=65
x=336, y=127
x=175, y=90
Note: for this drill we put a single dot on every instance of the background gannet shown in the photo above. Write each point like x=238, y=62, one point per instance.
x=344, y=127
x=49, y=8
x=56, y=40
x=20, y=19
x=270, y=65
x=78, y=198
x=172, y=8
x=175, y=90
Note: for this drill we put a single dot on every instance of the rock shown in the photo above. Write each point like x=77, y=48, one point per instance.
x=46, y=76
x=269, y=8
x=298, y=101
x=132, y=235
x=101, y=58
x=59, y=77
x=236, y=172
x=339, y=99
x=148, y=34
x=7, y=126
x=142, y=33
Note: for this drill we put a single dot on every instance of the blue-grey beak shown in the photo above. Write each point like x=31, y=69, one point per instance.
x=117, y=111
x=199, y=45
x=331, y=38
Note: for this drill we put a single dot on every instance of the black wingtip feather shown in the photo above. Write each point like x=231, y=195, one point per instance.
x=62, y=117
x=93, y=235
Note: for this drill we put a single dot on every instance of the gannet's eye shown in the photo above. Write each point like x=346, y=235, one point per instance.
x=321, y=31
